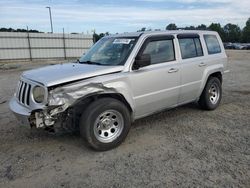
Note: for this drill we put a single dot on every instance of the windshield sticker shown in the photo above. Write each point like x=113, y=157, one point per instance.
x=122, y=41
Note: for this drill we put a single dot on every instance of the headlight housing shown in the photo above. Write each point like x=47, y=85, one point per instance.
x=38, y=94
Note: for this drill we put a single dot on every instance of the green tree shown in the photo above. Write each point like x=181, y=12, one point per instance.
x=246, y=32
x=232, y=33
x=142, y=29
x=171, y=26
x=97, y=37
x=190, y=28
x=201, y=27
x=18, y=30
x=217, y=27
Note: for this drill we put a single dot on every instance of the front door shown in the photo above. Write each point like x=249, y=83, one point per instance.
x=156, y=86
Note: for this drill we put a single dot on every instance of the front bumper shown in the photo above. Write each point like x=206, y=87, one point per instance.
x=22, y=113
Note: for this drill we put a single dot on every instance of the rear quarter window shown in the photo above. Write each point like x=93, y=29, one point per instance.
x=213, y=46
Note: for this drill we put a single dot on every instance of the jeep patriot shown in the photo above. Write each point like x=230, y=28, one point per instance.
x=122, y=78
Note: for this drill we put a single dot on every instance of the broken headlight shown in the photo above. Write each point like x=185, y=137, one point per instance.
x=38, y=94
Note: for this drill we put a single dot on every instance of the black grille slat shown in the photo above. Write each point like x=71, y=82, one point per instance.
x=28, y=95
x=20, y=90
x=24, y=92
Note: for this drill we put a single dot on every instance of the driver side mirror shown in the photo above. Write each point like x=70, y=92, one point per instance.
x=142, y=61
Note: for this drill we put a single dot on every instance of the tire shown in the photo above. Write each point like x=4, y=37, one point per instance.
x=105, y=124
x=211, y=94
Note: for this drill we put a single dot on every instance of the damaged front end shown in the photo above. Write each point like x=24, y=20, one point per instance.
x=65, y=105
x=45, y=119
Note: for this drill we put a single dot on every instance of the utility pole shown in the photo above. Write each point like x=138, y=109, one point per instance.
x=64, y=45
x=51, y=25
x=28, y=37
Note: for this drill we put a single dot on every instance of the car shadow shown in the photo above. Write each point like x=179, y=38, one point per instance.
x=75, y=140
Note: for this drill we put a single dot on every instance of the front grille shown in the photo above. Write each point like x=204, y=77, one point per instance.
x=23, y=93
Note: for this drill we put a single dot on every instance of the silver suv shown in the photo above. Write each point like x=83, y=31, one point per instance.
x=120, y=79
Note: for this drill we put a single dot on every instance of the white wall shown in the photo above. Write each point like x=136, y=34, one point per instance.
x=14, y=46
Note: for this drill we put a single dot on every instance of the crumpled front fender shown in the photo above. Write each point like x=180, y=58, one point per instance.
x=66, y=96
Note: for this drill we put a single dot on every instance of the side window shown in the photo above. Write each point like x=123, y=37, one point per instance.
x=160, y=51
x=190, y=47
x=213, y=46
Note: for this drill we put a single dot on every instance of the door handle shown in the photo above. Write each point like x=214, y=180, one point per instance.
x=172, y=70
x=202, y=64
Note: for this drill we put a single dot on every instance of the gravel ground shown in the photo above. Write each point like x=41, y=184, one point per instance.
x=183, y=147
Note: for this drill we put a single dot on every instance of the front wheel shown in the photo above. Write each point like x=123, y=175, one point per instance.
x=105, y=123
x=211, y=95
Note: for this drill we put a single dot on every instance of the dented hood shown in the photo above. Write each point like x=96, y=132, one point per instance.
x=62, y=73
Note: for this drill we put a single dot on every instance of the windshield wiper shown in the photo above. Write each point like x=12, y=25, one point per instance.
x=89, y=62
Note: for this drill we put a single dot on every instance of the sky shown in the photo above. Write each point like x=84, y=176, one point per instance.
x=118, y=16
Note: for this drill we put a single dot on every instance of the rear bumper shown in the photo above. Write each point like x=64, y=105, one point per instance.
x=22, y=114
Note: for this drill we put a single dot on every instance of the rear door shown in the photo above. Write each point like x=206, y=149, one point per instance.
x=193, y=64
x=156, y=86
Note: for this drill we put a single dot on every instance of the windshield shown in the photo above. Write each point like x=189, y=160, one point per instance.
x=109, y=51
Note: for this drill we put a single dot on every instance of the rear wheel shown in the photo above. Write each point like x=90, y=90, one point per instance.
x=211, y=95
x=105, y=123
